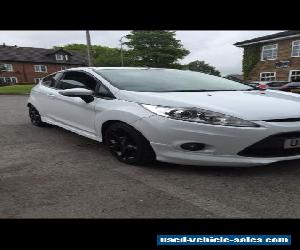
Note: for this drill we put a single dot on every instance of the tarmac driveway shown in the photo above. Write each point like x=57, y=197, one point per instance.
x=52, y=173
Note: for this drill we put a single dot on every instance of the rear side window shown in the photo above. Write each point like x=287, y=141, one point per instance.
x=75, y=79
x=50, y=80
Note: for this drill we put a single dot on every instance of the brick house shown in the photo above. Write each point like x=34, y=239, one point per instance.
x=29, y=65
x=279, y=57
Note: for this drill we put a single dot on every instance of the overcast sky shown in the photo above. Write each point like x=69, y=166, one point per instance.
x=214, y=47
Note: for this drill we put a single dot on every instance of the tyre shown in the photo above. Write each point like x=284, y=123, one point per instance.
x=35, y=117
x=128, y=145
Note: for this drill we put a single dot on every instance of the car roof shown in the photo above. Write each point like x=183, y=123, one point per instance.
x=123, y=68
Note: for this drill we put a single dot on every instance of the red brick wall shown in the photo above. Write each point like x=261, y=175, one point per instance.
x=283, y=54
x=25, y=71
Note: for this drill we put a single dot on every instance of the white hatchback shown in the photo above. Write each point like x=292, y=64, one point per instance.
x=176, y=116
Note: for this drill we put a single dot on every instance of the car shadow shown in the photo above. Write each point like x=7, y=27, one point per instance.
x=288, y=167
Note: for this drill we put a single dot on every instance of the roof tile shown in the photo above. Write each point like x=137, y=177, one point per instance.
x=38, y=55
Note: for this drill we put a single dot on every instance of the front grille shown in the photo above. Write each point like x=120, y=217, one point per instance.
x=272, y=146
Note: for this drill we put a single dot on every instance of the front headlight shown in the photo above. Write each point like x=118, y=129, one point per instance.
x=199, y=115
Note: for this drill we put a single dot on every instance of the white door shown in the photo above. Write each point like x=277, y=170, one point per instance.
x=46, y=95
x=73, y=111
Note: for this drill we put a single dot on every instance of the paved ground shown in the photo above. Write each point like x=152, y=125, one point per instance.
x=50, y=172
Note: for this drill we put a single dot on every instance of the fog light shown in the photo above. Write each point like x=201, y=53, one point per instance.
x=193, y=146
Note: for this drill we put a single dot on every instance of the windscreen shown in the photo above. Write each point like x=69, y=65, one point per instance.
x=168, y=80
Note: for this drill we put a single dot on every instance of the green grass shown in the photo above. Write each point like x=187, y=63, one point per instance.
x=16, y=89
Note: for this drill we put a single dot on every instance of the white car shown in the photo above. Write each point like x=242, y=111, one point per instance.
x=175, y=116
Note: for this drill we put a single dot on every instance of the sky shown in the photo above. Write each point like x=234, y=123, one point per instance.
x=214, y=47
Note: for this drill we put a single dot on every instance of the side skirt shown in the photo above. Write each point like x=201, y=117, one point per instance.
x=72, y=129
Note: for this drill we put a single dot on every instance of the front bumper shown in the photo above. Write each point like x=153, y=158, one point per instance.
x=223, y=144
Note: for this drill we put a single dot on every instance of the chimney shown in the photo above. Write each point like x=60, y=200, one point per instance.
x=4, y=44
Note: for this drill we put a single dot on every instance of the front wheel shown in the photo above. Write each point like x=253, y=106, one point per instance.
x=35, y=117
x=128, y=145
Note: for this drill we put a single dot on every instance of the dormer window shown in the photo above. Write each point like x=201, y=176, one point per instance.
x=59, y=57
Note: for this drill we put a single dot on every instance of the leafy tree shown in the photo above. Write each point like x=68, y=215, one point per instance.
x=155, y=48
x=72, y=47
x=203, y=67
x=101, y=55
x=106, y=57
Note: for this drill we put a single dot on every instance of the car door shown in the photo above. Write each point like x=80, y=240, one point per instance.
x=45, y=95
x=74, y=111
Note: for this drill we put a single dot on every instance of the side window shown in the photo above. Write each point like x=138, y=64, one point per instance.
x=104, y=92
x=51, y=80
x=75, y=79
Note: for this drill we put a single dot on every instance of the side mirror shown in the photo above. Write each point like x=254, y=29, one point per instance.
x=84, y=94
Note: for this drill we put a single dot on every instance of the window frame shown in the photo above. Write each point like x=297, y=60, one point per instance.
x=11, y=67
x=290, y=74
x=262, y=52
x=54, y=86
x=260, y=76
x=10, y=77
x=293, y=45
x=97, y=88
x=39, y=66
x=79, y=71
x=59, y=57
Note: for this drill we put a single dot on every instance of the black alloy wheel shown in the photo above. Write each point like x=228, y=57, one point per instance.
x=35, y=117
x=128, y=145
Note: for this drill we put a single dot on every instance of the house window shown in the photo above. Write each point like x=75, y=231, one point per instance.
x=296, y=48
x=66, y=57
x=268, y=76
x=8, y=80
x=37, y=80
x=7, y=67
x=59, y=57
x=295, y=76
x=40, y=68
x=269, y=52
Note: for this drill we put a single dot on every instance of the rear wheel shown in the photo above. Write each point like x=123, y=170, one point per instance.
x=35, y=117
x=128, y=145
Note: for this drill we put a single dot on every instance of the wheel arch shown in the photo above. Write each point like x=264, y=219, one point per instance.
x=106, y=125
x=109, y=123
x=106, y=118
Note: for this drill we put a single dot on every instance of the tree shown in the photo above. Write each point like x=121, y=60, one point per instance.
x=203, y=67
x=155, y=48
x=101, y=55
